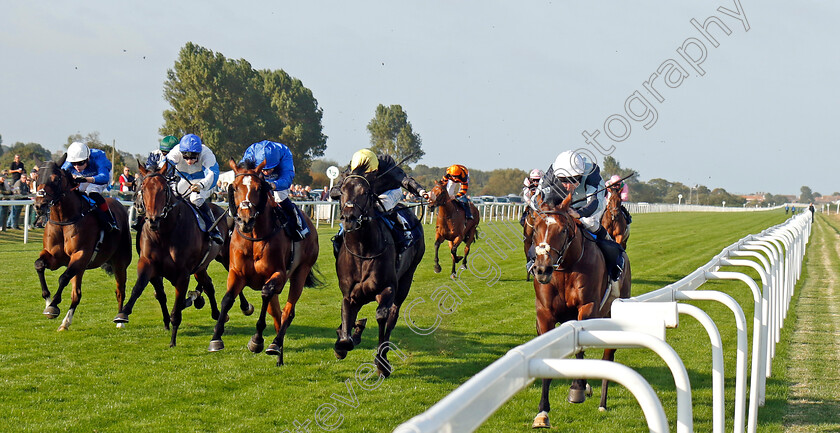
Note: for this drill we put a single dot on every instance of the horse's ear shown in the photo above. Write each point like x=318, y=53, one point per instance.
x=232, y=164
x=260, y=167
x=142, y=168
x=566, y=202
x=62, y=160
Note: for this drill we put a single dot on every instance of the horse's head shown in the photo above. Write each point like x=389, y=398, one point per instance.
x=53, y=184
x=554, y=231
x=358, y=201
x=155, y=195
x=248, y=195
x=438, y=195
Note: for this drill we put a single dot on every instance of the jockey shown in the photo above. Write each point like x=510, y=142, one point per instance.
x=531, y=183
x=624, y=193
x=157, y=158
x=279, y=170
x=390, y=178
x=457, y=179
x=196, y=165
x=91, y=169
x=571, y=174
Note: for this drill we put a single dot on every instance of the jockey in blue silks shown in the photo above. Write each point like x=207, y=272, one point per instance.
x=279, y=171
x=92, y=170
x=196, y=165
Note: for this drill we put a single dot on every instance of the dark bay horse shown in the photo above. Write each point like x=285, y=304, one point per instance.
x=72, y=238
x=613, y=220
x=172, y=246
x=263, y=257
x=452, y=225
x=570, y=282
x=367, y=268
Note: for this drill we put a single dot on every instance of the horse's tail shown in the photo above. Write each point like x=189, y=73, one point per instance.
x=108, y=268
x=313, y=279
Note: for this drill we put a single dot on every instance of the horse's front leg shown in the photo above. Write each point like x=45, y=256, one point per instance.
x=545, y=323
x=271, y=289
x=282, y=323
x=386, y=315
x=438, y=241
x=145, y=272
x=75, y=298
x=349, y=312
x=467, y=243
x=206, y=285
x=453, y=250
x=235, y=284
x=75, y=267
x=609, y=355
x=182, y=285
x=120, y=275
x=160, y=295
x=46, y=261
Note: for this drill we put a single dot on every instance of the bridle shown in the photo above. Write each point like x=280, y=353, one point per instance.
x=170, y=202
x=545, y=248
x=257, y=209
x=369, y=198
x=54, y=199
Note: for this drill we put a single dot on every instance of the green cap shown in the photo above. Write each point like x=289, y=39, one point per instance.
x=168, y=143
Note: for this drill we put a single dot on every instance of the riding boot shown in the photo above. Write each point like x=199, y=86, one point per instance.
x=337, y=240
x=530, y=258
x=466, y=205
x=207, y=214
x=626, y=215
x=299, y=231
x=613, y=253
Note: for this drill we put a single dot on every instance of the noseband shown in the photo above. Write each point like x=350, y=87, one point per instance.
x=544, y=248
x=364, y=210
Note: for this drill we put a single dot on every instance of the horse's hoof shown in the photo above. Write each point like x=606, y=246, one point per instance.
x=255, y=345
x=62, y=328
x=340, y=354
x=437, y=269
x=52, y=312
x=384, y=372
x=577, y=395
x=344, y=344
x=121, y=318
x=541, y=421
x=453, y=277
x=588, y=390
x=120, y=325
x=199, y=302
x=273, y=349
x=602, y=409
x=249, y=310
x=216, y=345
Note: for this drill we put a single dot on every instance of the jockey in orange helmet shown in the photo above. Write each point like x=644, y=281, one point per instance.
x=457, y=180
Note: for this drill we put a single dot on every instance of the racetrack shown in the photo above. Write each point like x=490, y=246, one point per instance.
x=97, y=377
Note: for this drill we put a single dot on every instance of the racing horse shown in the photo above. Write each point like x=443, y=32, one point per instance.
x=452, y=225
x=74, y=239
x=570, y=283
x=264, y=258
x=368, y=268
x=614, y=220
x=171, y=245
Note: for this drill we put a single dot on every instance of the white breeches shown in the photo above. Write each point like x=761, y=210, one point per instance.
x=390, y=198
x=453, y=188
x=92, y=187
x=593, y=222
x=281, y=195
x=197, y=198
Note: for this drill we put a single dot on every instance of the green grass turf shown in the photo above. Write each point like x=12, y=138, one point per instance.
x=95, y=377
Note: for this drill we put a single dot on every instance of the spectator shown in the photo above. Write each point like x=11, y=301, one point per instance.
x=20, y=187
x=4, y=210
x=126, y=181
x=16, y=169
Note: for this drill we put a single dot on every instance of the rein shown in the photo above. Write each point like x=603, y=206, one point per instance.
x=364, y=218
x=246, y=204
x=169, y=204
x=562, y=251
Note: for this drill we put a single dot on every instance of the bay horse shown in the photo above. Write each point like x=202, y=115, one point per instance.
x=613, y=220
x=368, y=269
x=452, y=225
x=263, y=257
x=171, y=246
x=73, y=238
x=570, y=283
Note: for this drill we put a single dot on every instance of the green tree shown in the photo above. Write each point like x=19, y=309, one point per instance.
x=297, y=120
x=806, y=195
x=391, y=133
x=31, y=154
x=504, y=181
x=318, y=172
x=612, y=166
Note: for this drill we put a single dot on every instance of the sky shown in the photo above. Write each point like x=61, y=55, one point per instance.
x=488, y=84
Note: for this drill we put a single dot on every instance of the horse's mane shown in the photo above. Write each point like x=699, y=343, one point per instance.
x=247, y=164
